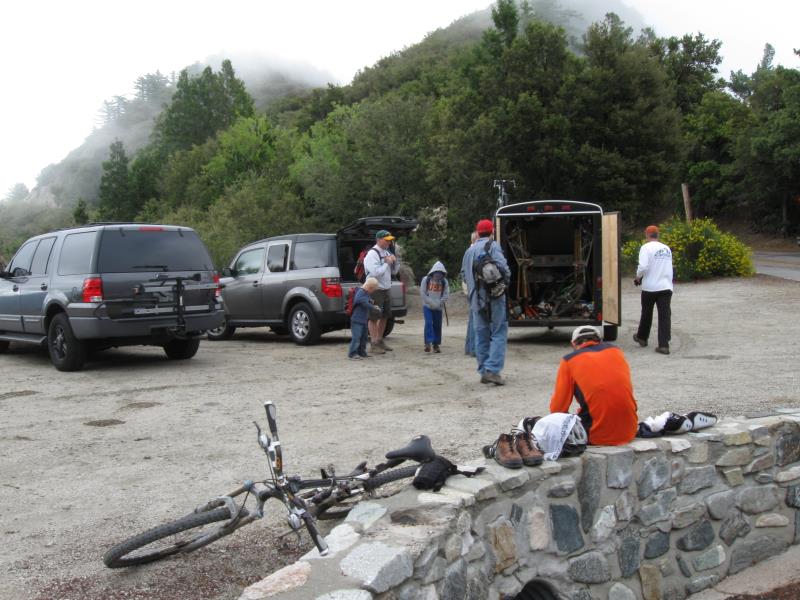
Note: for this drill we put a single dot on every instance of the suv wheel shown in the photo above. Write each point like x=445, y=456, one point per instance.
x=303, y=325
x=67, y=352
x=223, y=332
x=181, y=349
x=3, y=346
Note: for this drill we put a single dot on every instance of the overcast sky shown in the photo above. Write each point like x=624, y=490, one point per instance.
x=61, y=59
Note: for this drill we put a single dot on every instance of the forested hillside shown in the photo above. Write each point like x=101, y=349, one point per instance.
x=604, y=116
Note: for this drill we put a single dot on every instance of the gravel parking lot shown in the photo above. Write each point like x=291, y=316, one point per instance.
x=89, y=458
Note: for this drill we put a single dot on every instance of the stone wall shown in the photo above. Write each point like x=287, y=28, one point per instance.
x=656, y=519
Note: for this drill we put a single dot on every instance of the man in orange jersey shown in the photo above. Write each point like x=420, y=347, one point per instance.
x=598, y=376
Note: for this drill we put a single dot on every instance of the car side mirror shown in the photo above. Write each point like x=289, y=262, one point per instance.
x=228, y=272
x=19, y=272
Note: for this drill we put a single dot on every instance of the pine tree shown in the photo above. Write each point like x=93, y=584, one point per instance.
x=116, y=199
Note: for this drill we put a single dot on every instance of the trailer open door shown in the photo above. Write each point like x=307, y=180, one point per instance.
x=612, y=286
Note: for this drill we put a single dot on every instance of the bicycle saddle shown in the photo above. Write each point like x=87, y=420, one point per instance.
x=418, y=449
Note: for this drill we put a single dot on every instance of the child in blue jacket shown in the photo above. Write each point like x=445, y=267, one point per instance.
x=434, y=291
x=358, y=320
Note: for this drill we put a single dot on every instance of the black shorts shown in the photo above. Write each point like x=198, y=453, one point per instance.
x=383, y=300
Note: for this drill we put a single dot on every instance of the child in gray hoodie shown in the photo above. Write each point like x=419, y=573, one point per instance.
x=434, y=291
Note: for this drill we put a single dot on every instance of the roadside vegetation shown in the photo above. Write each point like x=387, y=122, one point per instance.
x=614, y=118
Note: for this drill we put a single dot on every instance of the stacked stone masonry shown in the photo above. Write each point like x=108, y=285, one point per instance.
x=658, y=519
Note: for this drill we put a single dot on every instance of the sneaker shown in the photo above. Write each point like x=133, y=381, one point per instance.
x=365, y=355
x=663, y=349
x=356, y=357
x=503, y=452
x=386, y=347
x=493, y=378
x=427, y=347
x=701, y=420
x=530, y=454
x=377, y=349
x=639, y=340
x=676, y=424
x=436, y=348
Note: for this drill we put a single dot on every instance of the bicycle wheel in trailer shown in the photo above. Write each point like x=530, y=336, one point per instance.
x=338, y=510
x=164, y=540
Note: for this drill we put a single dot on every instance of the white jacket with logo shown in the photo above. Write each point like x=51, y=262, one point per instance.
x=655, y=267
x=376, y=266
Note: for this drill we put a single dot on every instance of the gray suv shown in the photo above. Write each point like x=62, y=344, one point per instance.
x=105, y=285
x=298, y=284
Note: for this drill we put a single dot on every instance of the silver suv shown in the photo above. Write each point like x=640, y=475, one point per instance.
x=105, y=285
x=298, y=284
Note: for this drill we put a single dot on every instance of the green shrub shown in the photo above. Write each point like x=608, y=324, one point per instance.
x=699, y=250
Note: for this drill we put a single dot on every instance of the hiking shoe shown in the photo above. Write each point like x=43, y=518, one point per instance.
x=639, y=340
x=356, y=357
x=493, y=378
x=427, y=347
x=365, y=355
x=377, y=349
x=503, y=452
x=663, y=349
x=436, y=348
x=530, y=454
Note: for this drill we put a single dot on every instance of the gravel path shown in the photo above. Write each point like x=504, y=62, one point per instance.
x=89, y=458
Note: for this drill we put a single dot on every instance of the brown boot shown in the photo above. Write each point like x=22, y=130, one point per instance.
x=523, y=444
x=504, y=453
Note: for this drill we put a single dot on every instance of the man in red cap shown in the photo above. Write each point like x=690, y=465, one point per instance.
x=486, y=273
x=654, y=274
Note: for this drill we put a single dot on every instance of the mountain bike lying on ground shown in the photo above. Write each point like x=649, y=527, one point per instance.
x=306, y=500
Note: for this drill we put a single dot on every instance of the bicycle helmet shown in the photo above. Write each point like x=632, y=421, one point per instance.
x=576, y=441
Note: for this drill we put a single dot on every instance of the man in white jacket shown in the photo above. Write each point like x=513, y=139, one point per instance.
x=654, y=274
x=381, y=264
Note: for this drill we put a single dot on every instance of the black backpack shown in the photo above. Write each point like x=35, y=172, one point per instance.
x=487, y=274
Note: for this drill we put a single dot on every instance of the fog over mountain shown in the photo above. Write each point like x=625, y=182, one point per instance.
x=277, y=74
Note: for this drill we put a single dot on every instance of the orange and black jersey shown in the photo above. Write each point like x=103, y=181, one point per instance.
x=599, y=378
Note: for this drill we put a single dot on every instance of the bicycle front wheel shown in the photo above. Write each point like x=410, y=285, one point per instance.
x=164, y=540
x=331, y=509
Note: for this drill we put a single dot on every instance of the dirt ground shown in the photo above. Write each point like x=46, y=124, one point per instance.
x=89, y=458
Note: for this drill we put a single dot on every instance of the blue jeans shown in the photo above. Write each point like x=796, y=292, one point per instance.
x=469, y=342
x=433, y=325
x=358, y=339
x=490, y=337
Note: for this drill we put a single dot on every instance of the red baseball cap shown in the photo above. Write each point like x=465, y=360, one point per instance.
x=484, y=226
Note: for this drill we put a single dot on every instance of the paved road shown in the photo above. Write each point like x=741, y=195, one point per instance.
x=778, y=264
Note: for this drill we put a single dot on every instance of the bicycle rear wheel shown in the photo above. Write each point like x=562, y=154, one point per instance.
x=143, y=548
x=331, y=509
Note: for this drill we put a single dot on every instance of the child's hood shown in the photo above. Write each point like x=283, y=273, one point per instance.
x=437, y=267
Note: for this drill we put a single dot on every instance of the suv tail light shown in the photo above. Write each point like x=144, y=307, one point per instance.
x=332, y=287
x=92, y=289
x=599, y=283
x=218, y=291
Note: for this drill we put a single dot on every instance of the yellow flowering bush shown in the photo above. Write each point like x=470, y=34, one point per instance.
x=699, y=250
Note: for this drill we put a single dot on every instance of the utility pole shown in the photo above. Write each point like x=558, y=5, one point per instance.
x=687, y=202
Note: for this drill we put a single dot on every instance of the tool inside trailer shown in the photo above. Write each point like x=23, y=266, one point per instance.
x=552, y=267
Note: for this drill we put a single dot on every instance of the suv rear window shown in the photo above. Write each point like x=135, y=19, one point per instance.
x=313, y=255
x=131, y=250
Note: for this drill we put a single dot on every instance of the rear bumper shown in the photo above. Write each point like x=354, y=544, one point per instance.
x=340, y=320
x=87, y=324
